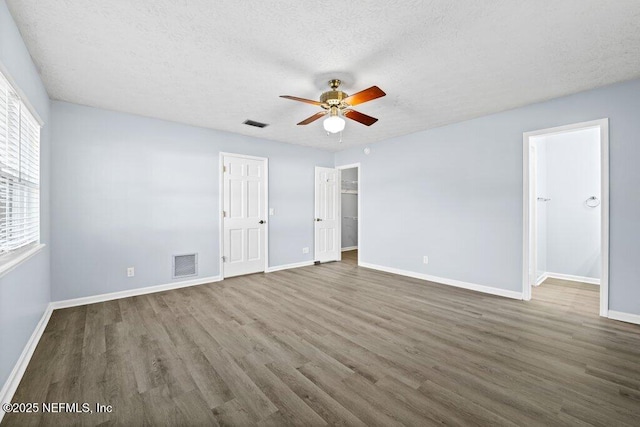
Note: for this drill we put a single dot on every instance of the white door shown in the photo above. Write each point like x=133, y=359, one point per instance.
x=327, y=216
x=244, y=219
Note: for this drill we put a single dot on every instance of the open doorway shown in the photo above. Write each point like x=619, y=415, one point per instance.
x=350, y=212
x=566, y=212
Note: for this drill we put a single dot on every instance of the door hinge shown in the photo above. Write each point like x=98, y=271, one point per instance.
x=224, y=259
x=224, y=169
x=224, y=214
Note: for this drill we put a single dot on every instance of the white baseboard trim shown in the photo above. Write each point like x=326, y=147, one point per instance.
x=561, y=276
x=349, y=248
x=288, y=266
x=624, y=317
x=133, y=292
x=542, y=278
x=11, y=385
x=450, y=282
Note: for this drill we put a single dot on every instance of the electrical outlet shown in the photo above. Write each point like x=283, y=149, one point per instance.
x=272, y=211
x=305, y=250
x=425, y=259
x=131, y=272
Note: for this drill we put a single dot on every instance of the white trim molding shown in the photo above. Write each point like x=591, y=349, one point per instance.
x=572, y=278
x=603, y=125
x=624, y=317
x=541, y=279
x=133, y=292
x=289, y=266
x=12, y=260
x=451, y=282
x=349, y=248
x=11, y=385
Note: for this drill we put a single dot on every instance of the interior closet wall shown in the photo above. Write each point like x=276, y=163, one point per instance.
x=349, y=208
x=568, y=228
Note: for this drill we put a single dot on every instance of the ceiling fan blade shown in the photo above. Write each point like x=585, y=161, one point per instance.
x=366, y=95
x=313, y=118
x=359, y=117
x=295, y=98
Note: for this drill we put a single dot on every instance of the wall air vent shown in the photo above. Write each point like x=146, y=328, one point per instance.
x=255, y=124
x=185, y=265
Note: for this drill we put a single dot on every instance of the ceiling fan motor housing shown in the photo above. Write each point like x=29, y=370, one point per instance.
x=334, y=98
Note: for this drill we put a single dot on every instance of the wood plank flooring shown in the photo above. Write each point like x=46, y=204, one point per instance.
x=340, y=345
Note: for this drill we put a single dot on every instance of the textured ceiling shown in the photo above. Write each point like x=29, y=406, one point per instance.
x=217, y=63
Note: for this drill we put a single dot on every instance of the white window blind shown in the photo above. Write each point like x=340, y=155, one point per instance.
x=19, y=172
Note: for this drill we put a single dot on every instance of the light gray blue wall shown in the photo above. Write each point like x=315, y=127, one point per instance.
x=349, y=209
x=573, y=229
x=24, y=291
x=455, y=193
x=132, y=191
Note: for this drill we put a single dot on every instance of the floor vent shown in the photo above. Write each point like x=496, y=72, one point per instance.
x=185, y=265
x=255, y=124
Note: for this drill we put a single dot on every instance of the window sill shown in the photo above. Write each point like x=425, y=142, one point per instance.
x=10, y=261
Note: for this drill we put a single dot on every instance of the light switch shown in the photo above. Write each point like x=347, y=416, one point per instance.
x=272, y=211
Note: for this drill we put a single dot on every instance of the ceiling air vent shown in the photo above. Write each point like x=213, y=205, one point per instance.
x=185, y=265
x=255, y=124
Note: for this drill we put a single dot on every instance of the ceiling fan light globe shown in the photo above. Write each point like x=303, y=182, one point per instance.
x=333, y=124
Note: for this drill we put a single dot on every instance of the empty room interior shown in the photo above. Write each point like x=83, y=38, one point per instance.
x=319, y=213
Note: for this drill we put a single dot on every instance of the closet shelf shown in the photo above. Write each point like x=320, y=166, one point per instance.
x=349, y=191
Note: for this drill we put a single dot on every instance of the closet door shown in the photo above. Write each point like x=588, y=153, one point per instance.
x=327, y=215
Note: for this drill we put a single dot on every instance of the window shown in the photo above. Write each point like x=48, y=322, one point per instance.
x=19, y=172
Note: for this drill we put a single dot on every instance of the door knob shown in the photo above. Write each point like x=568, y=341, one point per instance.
x=261, y=221
x=318, y=219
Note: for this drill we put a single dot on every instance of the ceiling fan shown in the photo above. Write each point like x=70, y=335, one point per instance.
x=337, y=103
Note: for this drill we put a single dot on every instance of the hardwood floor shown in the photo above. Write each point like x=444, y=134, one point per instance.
x=338, y=344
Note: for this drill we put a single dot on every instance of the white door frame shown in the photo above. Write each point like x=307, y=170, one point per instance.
x=533, y=211
x=359, y=195
x=603, y=125
x=221, y=156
